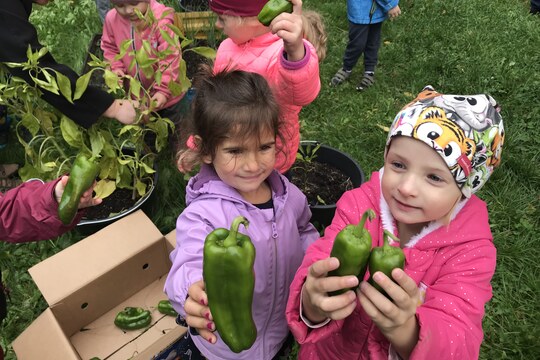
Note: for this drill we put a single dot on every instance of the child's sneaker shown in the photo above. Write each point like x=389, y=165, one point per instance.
x=367, y=80
x=340, y=77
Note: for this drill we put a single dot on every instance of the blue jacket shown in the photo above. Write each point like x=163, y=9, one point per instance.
x=358, y=10
x=281, y=238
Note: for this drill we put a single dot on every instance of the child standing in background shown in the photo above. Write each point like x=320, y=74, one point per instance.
x=365, y=24
x=279, y=53
x=234, y=130
x=122, y=23
x=440, y=150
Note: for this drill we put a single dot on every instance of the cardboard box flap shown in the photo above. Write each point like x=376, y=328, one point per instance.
x=171, y=240
x=44, y=339
x=76, y=266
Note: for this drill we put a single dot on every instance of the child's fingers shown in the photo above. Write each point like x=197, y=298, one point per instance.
x=297, y=6
x=371, y=299
x=322, y=267
x=339, y=306
x=407, y=284
x=196, y=293
x=207, y=335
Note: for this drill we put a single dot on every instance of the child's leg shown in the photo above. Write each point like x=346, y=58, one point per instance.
x=373, y=43
x=371, y=56
x=358, y=34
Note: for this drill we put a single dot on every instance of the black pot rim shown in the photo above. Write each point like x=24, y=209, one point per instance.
x=121, y=214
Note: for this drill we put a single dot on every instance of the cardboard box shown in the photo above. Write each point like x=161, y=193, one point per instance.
x=88, y=283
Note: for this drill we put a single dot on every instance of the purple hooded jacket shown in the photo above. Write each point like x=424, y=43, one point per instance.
x=281, y=238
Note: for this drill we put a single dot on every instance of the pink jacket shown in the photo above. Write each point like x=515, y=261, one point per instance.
x=452, y=266
x=295, y=84
x=117, y=29
x=29, y=212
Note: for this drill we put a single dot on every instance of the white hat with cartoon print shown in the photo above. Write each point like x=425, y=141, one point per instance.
x=466, y=130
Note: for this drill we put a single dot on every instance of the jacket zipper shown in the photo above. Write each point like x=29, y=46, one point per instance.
x=274, y=237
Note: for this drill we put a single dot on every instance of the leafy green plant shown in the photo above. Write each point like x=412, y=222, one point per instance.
x=307, y=153
x=52, y=140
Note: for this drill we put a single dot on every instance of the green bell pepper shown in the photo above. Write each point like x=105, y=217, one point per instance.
x=230, y=281
x=385, y=259
x=352, y=247
x=82, y=175
x=272, y=9
x=165, y=307
x=133, y=318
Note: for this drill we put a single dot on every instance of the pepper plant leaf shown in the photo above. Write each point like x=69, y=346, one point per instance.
x=104, y=188
x=82, y=84
x=71, y=132
x=64, y=84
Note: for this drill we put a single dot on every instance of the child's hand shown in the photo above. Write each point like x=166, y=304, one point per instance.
x=86, y=198
x=198, y=314
x=289, y=28
x=119, y=72
x=158, y=101
x=316, y=304
x=396, y=320
x=123, y=111
x=394, y=12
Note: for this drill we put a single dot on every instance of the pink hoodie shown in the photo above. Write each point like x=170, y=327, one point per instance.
x=452, y=265
x=295, y=84
x=117, y=29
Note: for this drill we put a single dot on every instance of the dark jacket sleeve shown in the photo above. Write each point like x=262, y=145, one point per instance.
x=16, y=33
x=29, y=212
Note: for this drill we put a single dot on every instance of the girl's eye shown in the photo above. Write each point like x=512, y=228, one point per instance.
x=234, y=151
x=435, y=178
x=397, y=165
x=266, y=147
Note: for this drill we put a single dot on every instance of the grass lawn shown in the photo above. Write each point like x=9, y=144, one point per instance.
x=459, y=47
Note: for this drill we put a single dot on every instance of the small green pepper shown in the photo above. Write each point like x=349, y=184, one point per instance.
x=82, y=175
x=352, y=247
x=133, y=318
x=230, y=281
x=272, y=9
x=385, y=259
x=165, y=307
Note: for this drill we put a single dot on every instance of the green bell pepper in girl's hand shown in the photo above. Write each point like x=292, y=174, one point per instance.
x=229, y=279
x=385, y=259
x=272, y=9
x=82, y=175
x=133, y=318
x=352, y=247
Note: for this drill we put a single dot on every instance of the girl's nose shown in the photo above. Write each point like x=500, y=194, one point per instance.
x=251, y=162
x=219, y=24
x=407, y=186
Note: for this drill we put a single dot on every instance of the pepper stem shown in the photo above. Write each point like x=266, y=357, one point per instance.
x=368, y=213
x=230, y=240
x=387, y=234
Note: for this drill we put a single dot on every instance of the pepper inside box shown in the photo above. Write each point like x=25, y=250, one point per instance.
x=88, y=283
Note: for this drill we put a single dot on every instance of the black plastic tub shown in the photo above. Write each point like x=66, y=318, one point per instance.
x=322, y=215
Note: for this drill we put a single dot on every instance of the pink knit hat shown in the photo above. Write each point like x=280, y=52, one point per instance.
x=237, y=7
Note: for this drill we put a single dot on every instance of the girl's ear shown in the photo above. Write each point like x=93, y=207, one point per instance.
x=207, y=159
x=197, y=141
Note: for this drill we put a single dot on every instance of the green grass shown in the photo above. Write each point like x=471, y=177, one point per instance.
x=463, y=47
